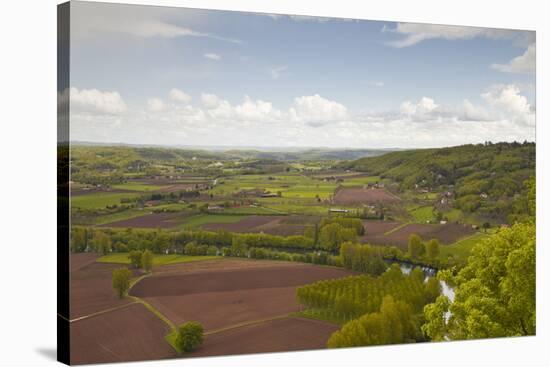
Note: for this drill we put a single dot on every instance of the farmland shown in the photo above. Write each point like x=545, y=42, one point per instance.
x=232, y=237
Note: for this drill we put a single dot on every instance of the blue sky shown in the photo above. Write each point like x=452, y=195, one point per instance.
x=177, y=76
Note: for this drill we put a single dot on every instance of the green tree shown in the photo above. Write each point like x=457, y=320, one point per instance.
x=494, y=293
x=190, y=336
x=135, y=258
x=331, y=236
x=432, y=249
x=121, y=281
x=147, y=260
x=101, y=242
x=416, y=247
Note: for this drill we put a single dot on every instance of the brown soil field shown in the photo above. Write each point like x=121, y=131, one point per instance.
x=354, y=195
x=275, y=225
x=221, y=264
x=223, y=297
x=82, y=259
x=445, y=233
x=248, y=224
x=91, y=288
x=81, y=192
x=283, y=335
x=128, y=334
x=152, y=220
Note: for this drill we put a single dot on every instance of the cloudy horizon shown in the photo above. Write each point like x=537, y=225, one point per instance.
x=177, y=76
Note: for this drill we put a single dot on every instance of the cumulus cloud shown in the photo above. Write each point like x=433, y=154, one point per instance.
x=424, y=106
x=414, y=33
x=96, y=101
x=525, y=63
x=502, y=115
x=210, y=100
x=155, y=105
x=316, y=110
x=510, y=104
x=212, y=56
x=179, y=96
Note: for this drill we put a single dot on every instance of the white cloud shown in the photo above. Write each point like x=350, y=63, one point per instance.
x=92, y=21
x=276, y=72
x=210, y=100
x=317, y=110
x=212, y=56
x=525, y=63
x=502, y=115
x=414, y=33
x=179, y=96
x=96, y=101
x=424, y=106
x=510, y=104
x=155, y=105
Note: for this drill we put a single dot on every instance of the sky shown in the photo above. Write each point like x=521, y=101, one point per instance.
x=180, y=76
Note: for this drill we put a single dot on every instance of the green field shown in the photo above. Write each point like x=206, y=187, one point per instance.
x=99, y=200
x=122, y=258
x=423, y=214
x=138, y=186
x=461, y=249
x=115, y=217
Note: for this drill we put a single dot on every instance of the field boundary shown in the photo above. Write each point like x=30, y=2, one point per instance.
x=102, y=312
x=393, y=230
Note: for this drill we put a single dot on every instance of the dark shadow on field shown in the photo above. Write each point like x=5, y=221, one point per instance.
x=50, y=353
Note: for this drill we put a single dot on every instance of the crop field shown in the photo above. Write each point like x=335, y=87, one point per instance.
x=91, y=286
x=139, y=186
x=356, y=196
x=220, y=297
x=287, y=334
x=127, y=334
x=203, y=219
x=100, y=200
x=122, y=258
x=151, y=220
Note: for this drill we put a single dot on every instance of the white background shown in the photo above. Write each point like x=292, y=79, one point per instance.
x=28, y=179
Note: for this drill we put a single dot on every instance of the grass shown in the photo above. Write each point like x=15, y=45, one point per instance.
x=423, y=214
x=137, y=186
x=122, y=258
x=100, y=200
x=171, y=339
x=462, y=248
x=115, y=217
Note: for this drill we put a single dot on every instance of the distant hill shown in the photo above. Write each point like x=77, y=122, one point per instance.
x=488, y=178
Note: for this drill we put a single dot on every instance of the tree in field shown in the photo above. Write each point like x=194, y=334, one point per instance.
x=416, y=247
x=101, y=242
x=147, y=260
x=331, y=236
x=121, y=281
x=79, y=239
x=190, y=336
x=393, y=323
x=432, y=249
x=494, y=293
x=135, y=258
